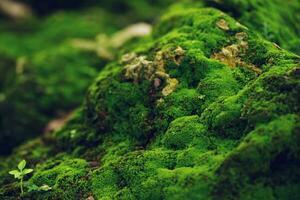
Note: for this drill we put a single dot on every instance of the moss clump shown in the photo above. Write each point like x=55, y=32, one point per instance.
x=110, y=107
x=264, y=151
x=182, y=102
x=182, y=132
x=224, y=131
x=179, y=154
x=67, y=177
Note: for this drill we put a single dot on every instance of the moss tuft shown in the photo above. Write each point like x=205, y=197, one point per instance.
x=182, y=132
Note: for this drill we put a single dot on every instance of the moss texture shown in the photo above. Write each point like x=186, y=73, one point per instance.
x=204, y=108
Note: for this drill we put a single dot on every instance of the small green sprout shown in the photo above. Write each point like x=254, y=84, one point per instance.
x=20, y=173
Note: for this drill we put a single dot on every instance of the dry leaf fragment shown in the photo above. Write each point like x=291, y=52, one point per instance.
x=222, y=24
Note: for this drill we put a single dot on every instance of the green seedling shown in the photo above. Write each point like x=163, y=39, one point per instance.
x=20, y=173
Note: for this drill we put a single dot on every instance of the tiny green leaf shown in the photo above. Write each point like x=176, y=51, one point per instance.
x=16, y=174
x=19, y=174
x=21, y=165
x=27, y=171
x=13, y=172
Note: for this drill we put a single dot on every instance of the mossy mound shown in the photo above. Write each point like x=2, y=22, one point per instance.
x=204, y=108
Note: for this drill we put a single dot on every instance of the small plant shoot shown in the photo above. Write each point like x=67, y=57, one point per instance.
x=20, y=173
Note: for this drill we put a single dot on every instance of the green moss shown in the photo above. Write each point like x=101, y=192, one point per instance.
x=180, y=103
x=113, y=180
x=112, y=104
x=223, y=117
x=220, y=83
x=217, y=93
x=105, y=183
x=273, y=95
x=270, y=150
x=67, y=177
x=182, y=132
x=228, y=128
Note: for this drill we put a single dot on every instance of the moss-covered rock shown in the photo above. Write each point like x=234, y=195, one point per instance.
x=204, y=108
